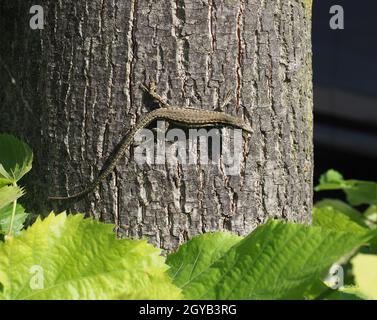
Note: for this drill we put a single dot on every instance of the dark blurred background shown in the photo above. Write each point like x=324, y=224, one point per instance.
x=345, y=89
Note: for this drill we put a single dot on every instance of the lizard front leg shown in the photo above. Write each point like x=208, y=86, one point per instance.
x=151, y=90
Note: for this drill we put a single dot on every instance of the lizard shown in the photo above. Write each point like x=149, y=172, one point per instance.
x=182, y=115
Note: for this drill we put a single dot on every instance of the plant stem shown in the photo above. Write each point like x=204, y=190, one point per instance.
x=10, y=232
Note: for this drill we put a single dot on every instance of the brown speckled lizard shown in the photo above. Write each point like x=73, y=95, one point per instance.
x=187, y=116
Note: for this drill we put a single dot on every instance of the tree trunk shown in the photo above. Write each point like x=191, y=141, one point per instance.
x=76, y=93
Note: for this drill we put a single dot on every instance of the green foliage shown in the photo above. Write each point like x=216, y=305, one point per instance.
x=347, y=293
x=69, y=257
x=199, y=254
x=339, y=206
x=79, y=258
x=329, y=217
x=277, y=261
x=16, y=159
x=371, y=216
x=358, y=192
x=6, y=217
x=363, y=266
x=9, y=194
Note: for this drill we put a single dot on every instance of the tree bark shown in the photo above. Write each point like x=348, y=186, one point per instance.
x=76, y=93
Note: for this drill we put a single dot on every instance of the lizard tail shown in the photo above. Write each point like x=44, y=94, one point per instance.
x=119, y=154
x=95, y=183
x=74, y=196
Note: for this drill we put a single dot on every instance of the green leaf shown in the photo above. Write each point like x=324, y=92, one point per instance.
x=361, y=192
x=331, y=176
x=371, y=220
x=364, y=268
x=5, y=219
x=316, y=289
x=15, y=159
x=371, y=213
x=330, y=218
x=158, y=289
x=342, y=207
x=276, y=261
x=358, y=192
x=347, y=293
x=207, y=248
x=8, y=194
x=320, y=291
x=69, y=257
x=371, y=216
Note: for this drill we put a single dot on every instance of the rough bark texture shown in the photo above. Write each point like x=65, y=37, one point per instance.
x=76, y=94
